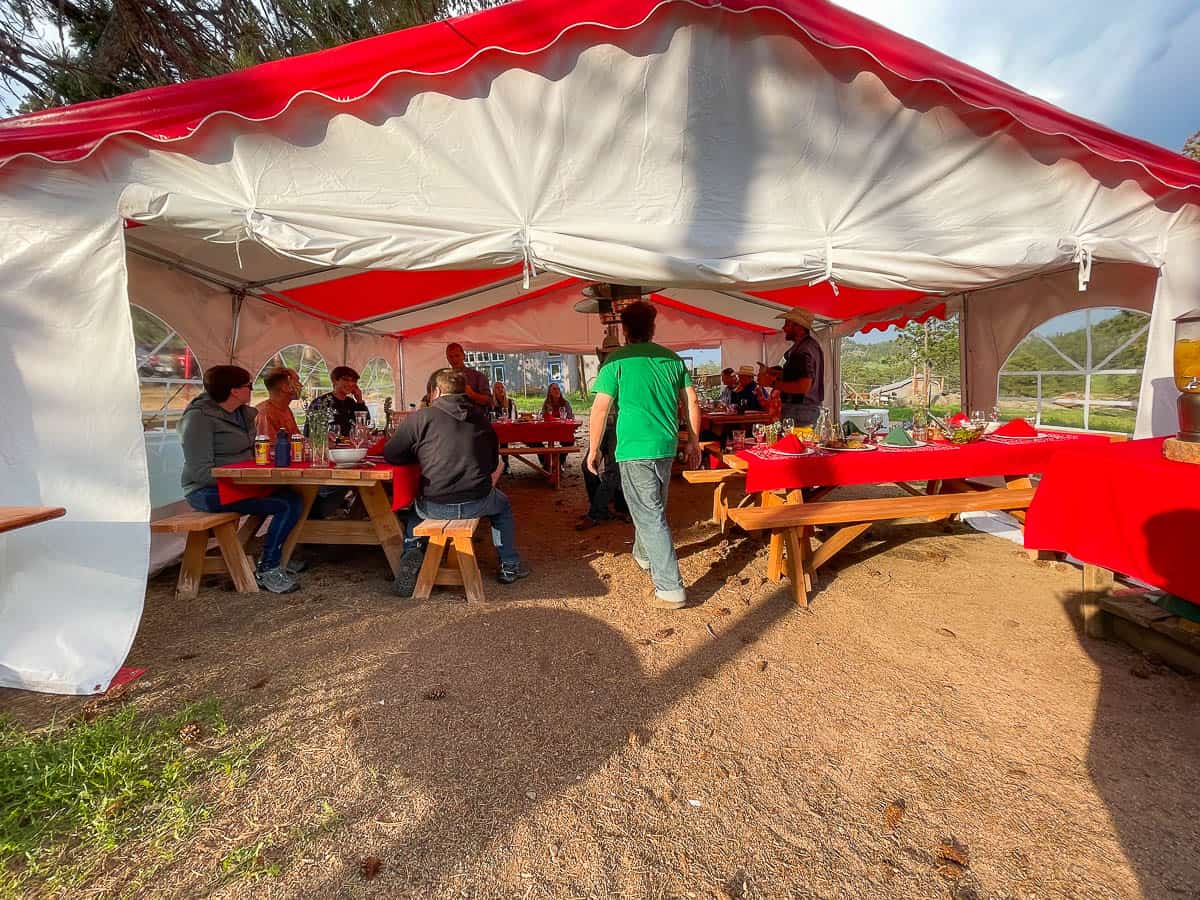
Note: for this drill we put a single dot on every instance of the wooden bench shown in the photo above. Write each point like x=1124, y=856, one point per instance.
x=722, y=478
x=790, y=524
x=449, y=558
x=231, y=559
x=554, y=474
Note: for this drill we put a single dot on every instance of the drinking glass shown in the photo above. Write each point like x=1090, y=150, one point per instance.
x=737, y=437
x=874, y=422
x=786, y=426
x=760, y=433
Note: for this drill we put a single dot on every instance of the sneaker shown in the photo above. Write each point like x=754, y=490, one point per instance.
x=276, y=580
x=296, y=566
x=410, y=568
x=509, y=573
x=586, y=522
x=653, y=598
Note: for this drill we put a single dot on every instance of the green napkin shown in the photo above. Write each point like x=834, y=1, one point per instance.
x=898, y=437
x=849, y=428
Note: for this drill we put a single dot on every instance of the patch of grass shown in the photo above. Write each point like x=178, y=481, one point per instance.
x=251, y=862
x=71, y=794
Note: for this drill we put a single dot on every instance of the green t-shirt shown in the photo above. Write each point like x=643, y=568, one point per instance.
x=645, y=379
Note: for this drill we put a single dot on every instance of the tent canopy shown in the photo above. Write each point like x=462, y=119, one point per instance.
x=737, y=156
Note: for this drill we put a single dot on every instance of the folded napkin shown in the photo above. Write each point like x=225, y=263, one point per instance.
x=849, y=428
x=376, y=449
x=789, y=443
x=959, y=418
x=1016, y=428
x=898, y=437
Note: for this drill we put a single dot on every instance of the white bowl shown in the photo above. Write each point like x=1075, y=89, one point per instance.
x=348, y=455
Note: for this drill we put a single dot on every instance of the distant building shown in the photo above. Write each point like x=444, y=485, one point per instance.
x=908, y=389
x=528, y=373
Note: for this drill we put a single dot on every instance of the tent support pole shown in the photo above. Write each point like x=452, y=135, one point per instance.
x=345, y=347
x=239, y=297
x=400, y=369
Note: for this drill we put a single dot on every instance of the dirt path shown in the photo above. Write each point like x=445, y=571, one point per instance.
x=563, y=740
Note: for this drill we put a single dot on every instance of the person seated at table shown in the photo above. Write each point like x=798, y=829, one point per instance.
x=343, y=401
x=555, y=406
x=477, y=383
x=745, y=395
x=283, y=386
x=502, y=405
x=217, y=429
x=729, y=382
x=502, y=408
x=459, y=454
x=770, y=398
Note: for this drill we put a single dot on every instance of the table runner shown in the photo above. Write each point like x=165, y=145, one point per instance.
x=933, y=462
x=405, y=480
x=1122, y=507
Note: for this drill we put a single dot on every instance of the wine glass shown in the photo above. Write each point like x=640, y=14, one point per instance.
x=786, y=426
x=760, y=433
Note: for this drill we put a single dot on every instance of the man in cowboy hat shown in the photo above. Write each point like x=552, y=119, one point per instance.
x=745, y=395
x=802, y=385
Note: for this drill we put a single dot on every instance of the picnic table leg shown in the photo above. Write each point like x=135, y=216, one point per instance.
x=236, y=560
x=775, y=548
x=468, y=566
x=308, y=494
x=391, y=536
x=797, y=565
x=555, y=469
x=191, y=569
x=427, y=577
x=1097, y=583
x=719, y=506
x=249, y=529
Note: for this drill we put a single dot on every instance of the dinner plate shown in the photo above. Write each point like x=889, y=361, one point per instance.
x=911, y=446
x=862, y=449
x=770, y=453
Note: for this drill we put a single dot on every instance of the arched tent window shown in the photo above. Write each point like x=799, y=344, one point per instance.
x=168, y=372
x=376, y=383
x=309, y=364
x=1082, y=369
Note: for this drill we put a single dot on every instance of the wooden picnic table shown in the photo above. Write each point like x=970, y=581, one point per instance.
x=724, y=420
x=14, y=517
x=380, y=527
x=546, y=432
x=791, y=493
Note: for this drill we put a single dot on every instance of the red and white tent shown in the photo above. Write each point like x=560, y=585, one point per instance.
x=455, y=179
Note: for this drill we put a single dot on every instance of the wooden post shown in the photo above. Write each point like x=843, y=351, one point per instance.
x=1097, y=583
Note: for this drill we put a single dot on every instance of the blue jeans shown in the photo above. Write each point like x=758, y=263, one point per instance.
x=645, y=483
x=494, y=507
x=284, y=507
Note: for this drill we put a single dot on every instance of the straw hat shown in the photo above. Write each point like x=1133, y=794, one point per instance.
x=746, y=370
x=799, y=315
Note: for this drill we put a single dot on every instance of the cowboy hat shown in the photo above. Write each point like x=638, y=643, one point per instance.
x=746, y=370
x=799, y=315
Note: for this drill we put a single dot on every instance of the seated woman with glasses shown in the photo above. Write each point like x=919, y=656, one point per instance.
x=217, y=429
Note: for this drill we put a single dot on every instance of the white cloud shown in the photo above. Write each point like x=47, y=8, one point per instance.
x=1132, y=66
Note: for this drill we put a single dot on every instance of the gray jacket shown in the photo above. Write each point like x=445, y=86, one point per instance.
x=213, y=437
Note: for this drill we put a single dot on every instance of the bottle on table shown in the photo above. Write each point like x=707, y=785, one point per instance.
x=283, y=449
x=262, y=450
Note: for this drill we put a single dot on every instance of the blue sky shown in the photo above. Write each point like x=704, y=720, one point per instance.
x=1134, y=66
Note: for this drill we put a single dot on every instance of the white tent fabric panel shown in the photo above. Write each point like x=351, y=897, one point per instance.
x=549, y=322
x=693, y=157
x=71, y=590
x=998, y=319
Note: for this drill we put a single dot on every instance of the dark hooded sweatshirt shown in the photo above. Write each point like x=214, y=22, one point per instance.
x=212, y=437
x=455, y=445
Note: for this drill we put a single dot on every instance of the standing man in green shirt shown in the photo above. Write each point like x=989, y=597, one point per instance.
x=647, y=381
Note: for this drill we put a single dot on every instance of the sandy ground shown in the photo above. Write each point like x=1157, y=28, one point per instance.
x=564, y=740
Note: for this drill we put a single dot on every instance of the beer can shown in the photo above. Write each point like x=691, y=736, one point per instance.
x=297, y=448
x=260, y=450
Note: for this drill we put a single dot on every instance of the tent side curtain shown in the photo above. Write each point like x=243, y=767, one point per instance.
x=525, y=29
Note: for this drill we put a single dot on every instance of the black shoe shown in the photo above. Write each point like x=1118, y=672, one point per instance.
x=510, y=573
x=410, y=568
x=276, y=581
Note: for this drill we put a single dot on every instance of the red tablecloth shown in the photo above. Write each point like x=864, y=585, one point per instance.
x=1122, y=507
x=934, y=461
x=406, y=481
x=560, y=430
